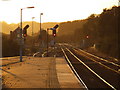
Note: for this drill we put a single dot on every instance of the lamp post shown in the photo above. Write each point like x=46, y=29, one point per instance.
x=32, y=34
x=40, y=33
x=47, y=41
x=21, y=39
x=40, y=21
x=32, y=25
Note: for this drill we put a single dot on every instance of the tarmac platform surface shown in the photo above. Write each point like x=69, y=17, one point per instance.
x=38, y=72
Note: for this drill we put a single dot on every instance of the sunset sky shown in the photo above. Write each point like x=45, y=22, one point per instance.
x=53, y=10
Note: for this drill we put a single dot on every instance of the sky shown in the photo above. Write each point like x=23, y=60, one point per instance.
x=53, y=10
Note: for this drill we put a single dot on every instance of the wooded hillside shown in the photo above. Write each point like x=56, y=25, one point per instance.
x=99, y=30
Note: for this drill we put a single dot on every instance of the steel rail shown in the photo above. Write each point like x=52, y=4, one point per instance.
x=92, y=70
x=103, y=65
x=79, y=78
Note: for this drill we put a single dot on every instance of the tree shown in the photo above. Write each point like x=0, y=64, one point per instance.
x=9, y=47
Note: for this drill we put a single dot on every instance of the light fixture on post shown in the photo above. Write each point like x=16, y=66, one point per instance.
x=32, y=25
x=40, y=21
x=40, y=34
x=21, y=39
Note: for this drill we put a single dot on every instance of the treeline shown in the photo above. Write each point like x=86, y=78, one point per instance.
x=9, y=46
x=99, y=30
x=6, y=28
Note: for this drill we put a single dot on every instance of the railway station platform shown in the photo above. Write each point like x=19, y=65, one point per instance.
x=38, y=72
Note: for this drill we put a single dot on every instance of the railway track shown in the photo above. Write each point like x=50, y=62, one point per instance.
x=110, y=64
x=94, y=73
x=105, y=63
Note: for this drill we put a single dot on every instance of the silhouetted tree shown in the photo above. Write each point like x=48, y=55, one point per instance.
x=101, y=29
x=9, y=47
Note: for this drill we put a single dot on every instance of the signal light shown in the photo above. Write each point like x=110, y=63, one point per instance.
x=25, y=30
x=25, y=35
x=87, y=36
x=54, y=33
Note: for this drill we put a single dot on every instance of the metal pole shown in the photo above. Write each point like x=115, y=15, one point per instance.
x=21, y=38
x=32, y=27
x=54, y=46
x=40, y=23
x=21, y=47
x=40, y=34
x=47, y=42
x=32, y=33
